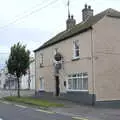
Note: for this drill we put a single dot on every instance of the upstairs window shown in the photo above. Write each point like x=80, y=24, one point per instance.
x=76, y=49
x=41, y=59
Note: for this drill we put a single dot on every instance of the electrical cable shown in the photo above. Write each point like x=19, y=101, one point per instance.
x=29, y=14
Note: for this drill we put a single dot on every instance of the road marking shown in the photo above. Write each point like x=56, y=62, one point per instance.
x=78, y=118
x=21, y=106
x=45, y=111
x=5, y=102
x=67, y=114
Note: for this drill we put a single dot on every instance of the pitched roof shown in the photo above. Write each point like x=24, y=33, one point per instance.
x=79, y=28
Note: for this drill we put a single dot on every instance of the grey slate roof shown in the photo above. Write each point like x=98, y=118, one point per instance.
x=79, y=28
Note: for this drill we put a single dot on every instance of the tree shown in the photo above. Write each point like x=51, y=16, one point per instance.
x=18, y=62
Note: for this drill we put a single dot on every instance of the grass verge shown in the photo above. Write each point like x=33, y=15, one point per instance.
x=33, y=101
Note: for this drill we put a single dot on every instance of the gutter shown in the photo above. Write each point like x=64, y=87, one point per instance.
x=84, y=30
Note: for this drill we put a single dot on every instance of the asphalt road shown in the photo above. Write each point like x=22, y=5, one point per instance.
x=10, y=111
x=18, y=112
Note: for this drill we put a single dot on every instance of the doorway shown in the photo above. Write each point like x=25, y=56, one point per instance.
x=57, y=85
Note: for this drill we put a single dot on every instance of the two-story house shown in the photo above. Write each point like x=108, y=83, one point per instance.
x=28, y=80
x=3, y=78
x=82, y=63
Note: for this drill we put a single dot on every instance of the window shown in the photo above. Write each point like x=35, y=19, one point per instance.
x=41, y=83
x=41, y=60
x=76, y=49
x=78, y=81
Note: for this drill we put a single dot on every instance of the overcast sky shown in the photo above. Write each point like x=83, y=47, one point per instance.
x=32, y=22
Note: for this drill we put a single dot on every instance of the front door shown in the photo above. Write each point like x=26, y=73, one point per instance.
x=57, y=85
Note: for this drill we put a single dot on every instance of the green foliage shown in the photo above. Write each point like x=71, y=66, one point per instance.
x=33, y=101
x=18, y=61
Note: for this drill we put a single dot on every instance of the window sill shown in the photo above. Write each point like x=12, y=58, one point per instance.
x=77, y=90
x=75, y=58
x=41, y=90
x=41, y=66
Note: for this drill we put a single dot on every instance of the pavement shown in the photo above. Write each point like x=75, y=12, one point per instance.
x=84, y=111
x=92, y=113
x=68, y=112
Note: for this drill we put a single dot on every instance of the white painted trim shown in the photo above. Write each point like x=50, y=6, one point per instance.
x=41, y=58
x=43, y=87
x=82, y=90
x=74, y=57
x=72, y=90
x=41, y=90
x=74, y=51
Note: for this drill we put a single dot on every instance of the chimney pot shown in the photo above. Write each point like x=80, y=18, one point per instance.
x=72, y=17
x=85, y=6
x=89, y=7
x=68, y=16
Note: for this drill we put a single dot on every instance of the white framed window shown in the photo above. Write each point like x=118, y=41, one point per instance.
x=41, y=59
x=76, y=49
x=78, y=82
x=41, y=83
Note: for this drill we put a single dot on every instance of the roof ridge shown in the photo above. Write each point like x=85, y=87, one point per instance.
x=80, y=27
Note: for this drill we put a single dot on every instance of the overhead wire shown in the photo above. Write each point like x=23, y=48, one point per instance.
x=28, y=14
x=34, y=7
x=4, y=52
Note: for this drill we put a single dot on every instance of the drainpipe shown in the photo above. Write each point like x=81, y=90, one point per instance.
x=35, y=74
x=93, y=78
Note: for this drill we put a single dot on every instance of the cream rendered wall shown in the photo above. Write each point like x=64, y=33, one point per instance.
x=66, y=49
x=3, y=78
x=24, y=79
x=106, y=37
x=32, y=75
x=24, y=82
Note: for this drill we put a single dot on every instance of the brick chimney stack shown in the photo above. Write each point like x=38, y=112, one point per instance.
x=70, y=23
x=87, y=12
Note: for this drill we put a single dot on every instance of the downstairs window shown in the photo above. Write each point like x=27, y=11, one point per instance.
x=78, y=82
